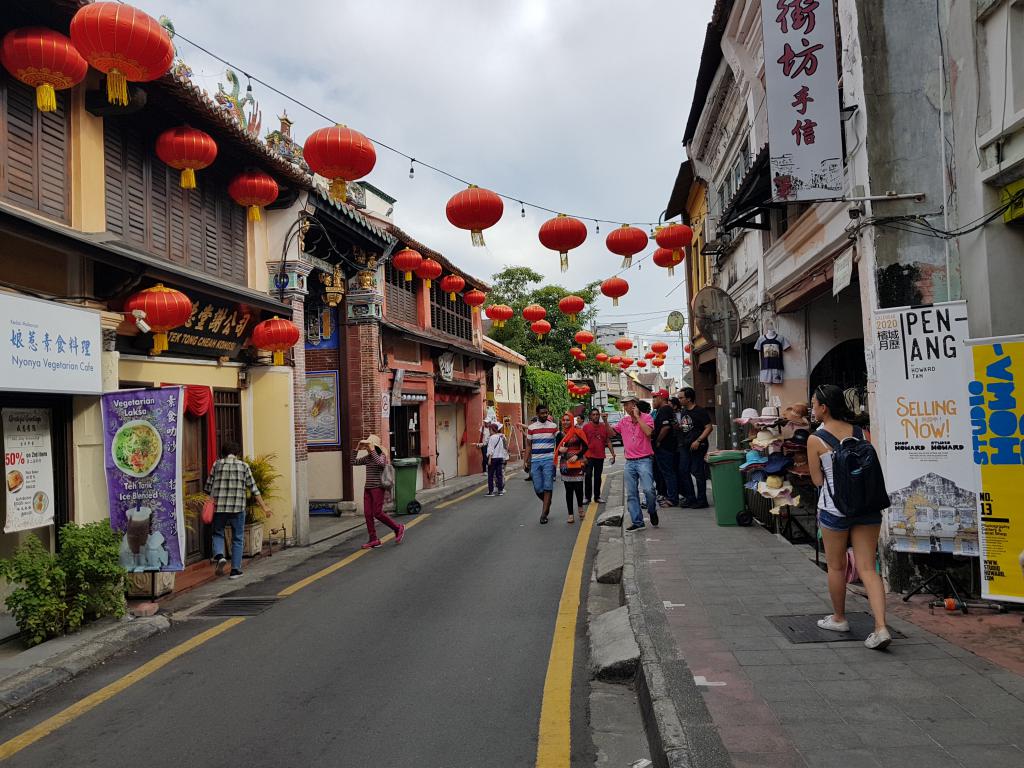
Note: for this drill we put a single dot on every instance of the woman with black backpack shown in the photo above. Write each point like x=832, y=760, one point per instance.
x=852, y=496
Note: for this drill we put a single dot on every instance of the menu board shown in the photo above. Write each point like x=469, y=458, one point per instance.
x=28, y=468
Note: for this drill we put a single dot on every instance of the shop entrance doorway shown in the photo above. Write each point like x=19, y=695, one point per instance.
x=445, y=420
x=193, y=478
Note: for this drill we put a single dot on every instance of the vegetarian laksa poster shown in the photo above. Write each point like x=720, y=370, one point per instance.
x=142, y=446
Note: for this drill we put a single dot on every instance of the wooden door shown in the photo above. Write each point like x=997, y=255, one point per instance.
x=193, y=476
x=447, y=441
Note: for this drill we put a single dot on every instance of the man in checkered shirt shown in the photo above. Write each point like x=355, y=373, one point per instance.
x=229, y=484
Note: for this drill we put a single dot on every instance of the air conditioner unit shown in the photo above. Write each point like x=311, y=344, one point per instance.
x=1013, y=194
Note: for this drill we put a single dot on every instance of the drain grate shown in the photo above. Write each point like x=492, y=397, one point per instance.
x=237, y=606
x=803, y=628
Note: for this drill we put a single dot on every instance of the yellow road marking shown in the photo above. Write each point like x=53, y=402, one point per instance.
x=553, y=742
x=301, y=584
x=79, y=708
x=463, y=497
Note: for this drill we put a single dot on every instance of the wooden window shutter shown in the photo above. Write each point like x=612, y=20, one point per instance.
x=113, y=168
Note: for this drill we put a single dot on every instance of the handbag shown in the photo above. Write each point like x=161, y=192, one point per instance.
x=387, y=476
x=209, y=507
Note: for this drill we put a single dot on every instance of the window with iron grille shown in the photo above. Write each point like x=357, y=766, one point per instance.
x=401, y=295
x=451, y=317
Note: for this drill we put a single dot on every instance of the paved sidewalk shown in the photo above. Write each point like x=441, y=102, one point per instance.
x=923, y=702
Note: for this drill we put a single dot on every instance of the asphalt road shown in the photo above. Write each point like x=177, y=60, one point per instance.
x=432, y=653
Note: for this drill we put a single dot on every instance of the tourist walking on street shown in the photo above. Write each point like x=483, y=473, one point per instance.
x=541, y=437
x=664, y=439
x=496, y=450
x=599, y=442
x=229, y=484
x=373, y=491
x=636, y=429
x=694, y=428
x=570, y=459
x=839, y=531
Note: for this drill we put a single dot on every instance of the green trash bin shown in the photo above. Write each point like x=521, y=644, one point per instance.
x=406, y=471
x=727, y=485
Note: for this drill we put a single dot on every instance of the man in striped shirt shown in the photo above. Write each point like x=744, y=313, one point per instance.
x=541, y=438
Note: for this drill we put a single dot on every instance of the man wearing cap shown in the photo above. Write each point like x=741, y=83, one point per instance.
x=694, y=428
x=636, y=429
x=664, y=440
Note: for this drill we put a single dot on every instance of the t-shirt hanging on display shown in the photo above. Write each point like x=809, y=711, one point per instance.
x=771, y=347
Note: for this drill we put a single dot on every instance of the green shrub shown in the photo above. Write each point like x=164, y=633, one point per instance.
x=38, y=605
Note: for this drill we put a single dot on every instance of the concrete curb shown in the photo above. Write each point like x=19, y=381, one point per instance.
x=614, y=654
x=609, y=559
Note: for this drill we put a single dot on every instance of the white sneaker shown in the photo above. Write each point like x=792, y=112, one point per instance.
x=830, y=623
x=878, y=640
x=488, y=494
x=501, y=493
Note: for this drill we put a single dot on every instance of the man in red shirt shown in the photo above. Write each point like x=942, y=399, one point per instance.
x=599, y=437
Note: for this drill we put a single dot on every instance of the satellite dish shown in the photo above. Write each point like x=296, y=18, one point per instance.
x=716, y=316
x=675, y=321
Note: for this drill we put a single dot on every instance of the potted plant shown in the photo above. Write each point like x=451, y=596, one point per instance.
x=266, y=477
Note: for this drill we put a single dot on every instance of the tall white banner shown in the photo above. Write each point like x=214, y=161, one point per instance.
x=28, y=468
x=923, y=403
x=802, y=94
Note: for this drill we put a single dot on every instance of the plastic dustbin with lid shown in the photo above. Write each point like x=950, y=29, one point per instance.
x=727, y=485
x=406, y=471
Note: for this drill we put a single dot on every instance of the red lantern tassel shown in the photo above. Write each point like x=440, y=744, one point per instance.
x=46, y=98
x=117, y=88
x=426, y=282
x=188, y=178
x=408, y=277
x=627, y=262
x=339, y=190
x=564, y=257
x=159, y=343
x=615, y=302
x=279, y=358
x=677, y=254
x=451, y=296
x=254, y=213
x=671, y=271
x=478, y=238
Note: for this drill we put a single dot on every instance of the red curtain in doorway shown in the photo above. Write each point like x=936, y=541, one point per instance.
x=199, y=403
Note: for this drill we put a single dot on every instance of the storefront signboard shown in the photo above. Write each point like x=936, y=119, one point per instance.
x=842, y=272
x=142, y=449
x=923, y=404
x=997, y=427
x=216, y=328
x=802, y=94
x=49, y=347
x=28, y=468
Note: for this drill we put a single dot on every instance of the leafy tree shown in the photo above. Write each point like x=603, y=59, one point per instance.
x=548, y=387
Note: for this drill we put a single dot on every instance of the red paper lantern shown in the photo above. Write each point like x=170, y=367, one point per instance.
x=688, y=348
x=253, y=189
x=534, y=312
x=659, y=347
x=687, y=361
x=45, y=60
x=615, y=288
x=339, y=154
x=188, y=150
x=499, y=314
x=675, y=237
x=541, y=328
x=123, y=43
x=571, y=306
x=577, y=352
x=428, y=270
x=475, y=299
x=562, y=234
x=623, y=344
x=163, y=309
x=583, y=338
x=649, y=356
x=408, y=261
x=584, y=389
x=601, y=357
x=276, y=335
x=663, y=258
x=626, y=241
x=475, y=209
x=614, y=359
x=452, y=284
x=641, y=363
x=658, y=362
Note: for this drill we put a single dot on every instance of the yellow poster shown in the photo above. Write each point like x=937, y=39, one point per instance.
x=996, y=392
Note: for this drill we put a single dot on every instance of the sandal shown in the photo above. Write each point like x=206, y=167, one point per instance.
x=571, y=520
x=583, y=516
x=543, y=519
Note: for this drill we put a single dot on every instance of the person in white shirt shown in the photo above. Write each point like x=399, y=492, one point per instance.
x=496, y=450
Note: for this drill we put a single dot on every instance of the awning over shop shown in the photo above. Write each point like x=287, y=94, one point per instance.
x=753, y=196
x=438, y=341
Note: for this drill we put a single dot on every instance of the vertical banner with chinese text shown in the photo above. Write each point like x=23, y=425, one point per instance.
x=28, y=468
x=923, y=404
x=802, y=94
x=142, y=445
x=997, y=427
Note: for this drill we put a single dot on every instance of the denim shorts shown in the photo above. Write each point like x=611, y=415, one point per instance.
x=842, y=524
x=543, y=474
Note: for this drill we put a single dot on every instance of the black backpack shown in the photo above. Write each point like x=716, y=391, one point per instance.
x=859, y=487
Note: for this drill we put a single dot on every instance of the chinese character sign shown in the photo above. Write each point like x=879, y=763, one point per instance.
x=997, y=434
x=49, y=347
x=28, y=468
x=922, y=403
x=142, y=446
x=802, y=94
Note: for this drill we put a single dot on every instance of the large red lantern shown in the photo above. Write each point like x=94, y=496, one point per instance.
x=475, y=299
x=584, y=390
x=541, y=328
x=123, y=43
x=626, y=241
x=650, y=355
x=601, y=357
x=663, y=258
x=571, y=306
x=675, y=237
x=614, y=359
x=499, y=314
x=340, y=155
x=534, y=312
x=583, y=338
x=162, y=309
x=188, y=150
x=615, y=288
x=658, y=362
x=577, y=353
x=45, y=60
x=562, y=234
x=623, y=344
x=627, y=361
x=253, y=189
x=659, y=347
x=276, y=335
x=688, y=348
x=641, y=363
x=475, y=209
x=452, y=284
x=408, y=261
x=428, y=270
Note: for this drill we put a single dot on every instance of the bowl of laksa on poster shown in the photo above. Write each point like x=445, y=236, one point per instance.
x=136, y=448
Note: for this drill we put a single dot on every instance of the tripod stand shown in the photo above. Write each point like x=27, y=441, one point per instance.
x=942, y=584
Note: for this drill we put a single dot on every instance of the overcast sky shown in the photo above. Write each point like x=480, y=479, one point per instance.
x=577, y=105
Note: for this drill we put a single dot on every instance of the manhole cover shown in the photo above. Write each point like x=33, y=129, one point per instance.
x=237, y=606
x=803, y=628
